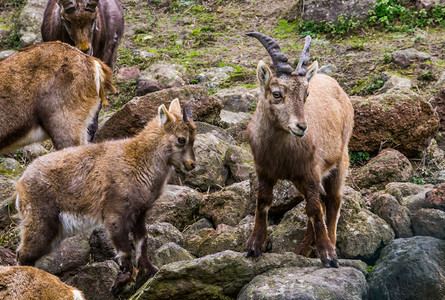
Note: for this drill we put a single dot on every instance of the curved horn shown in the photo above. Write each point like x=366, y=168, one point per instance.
x=91, y=5
x=279, y=59
x=68, y=5
x=189, y=111
x=184, y=115
x=305, y=57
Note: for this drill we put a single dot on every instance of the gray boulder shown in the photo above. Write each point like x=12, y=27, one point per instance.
x=31, y=152
x=95, y=280
x=169, y=253
x=209, y=241
x=67, y=258
x=240, y=163
x=412, y=268
x=203, y=128
x=159, y=234
x=164, y=74
x=238, y=99
x=214, y=77
x=395, y=82
x=360, y=233
x=407, y=56
x=307, y=283
x=176, y=206
x=290, y=232
x=6, y=53
x=210, y=172
x=401, y=190
x=227, y=206
x=30, y=21
x=415, y=202
x=101, y=248
x=230, y=118
x=429, y=222
x=217, y=276
x=388, y=166
x=329, y=11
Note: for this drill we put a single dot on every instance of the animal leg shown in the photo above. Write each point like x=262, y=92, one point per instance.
x=307, y=244
x=92, y=128
x=333, y=185
x=314, y=210
x=37, y=238
x=119, y=236
x=146, y=269
x=256, y=241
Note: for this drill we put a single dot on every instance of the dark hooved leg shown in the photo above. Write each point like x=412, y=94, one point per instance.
x=37, y=239
x=264, y=201
x=145, y=267
x=119, y=235
x=314, y=210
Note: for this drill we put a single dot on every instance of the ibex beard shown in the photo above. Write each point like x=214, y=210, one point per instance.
x=113, y=183
x=300, y=132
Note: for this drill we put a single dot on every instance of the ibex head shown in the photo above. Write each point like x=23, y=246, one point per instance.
x=79, y=18
x=285, y=93
x=180, y=132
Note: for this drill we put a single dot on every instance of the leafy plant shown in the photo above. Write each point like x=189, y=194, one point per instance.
x=360, y=157
x=427, y=76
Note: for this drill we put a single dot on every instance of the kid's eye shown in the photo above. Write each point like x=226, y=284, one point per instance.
x=276, y=95
x=181, y=140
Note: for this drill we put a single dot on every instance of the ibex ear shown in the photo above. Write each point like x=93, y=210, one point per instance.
x=263, y=73
x=175, y=107
x=164, y=115
x=312, y=70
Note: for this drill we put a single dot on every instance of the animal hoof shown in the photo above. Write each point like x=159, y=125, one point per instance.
x=120, y=282
x=334, y=263
x=142, y=277
x=255, y=253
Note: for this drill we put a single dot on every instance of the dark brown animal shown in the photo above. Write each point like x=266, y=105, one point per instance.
x=300, y=132
x=114, y=183
x=50, y=90
x=93, y=26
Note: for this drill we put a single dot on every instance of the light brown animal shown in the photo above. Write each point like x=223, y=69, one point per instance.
x=50, y=90
x=300, y=132
x=114, y=183
x=29, y=283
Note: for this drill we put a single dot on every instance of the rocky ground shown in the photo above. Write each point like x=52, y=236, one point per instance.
x=391, y=230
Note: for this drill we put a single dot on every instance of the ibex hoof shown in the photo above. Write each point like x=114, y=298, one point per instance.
x=333, y=263
x=120, y=282
x=142, y=277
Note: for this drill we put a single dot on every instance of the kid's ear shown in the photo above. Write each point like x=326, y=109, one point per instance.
x=263, y=73
x=312, y=70
x=164, y=115
x=175, y=107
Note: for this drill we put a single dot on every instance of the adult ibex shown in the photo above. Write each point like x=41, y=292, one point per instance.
x=93, y=26
x=114, y=183
x=24, y=283
x=50, y=90
x=300, y=132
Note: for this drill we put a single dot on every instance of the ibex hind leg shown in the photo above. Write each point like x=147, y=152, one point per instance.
x=37, y=239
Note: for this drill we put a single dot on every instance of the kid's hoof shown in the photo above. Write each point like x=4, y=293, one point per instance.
x=142, y=277
x=120, y=282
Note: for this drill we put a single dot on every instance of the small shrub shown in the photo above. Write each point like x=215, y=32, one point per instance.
x=359, y=157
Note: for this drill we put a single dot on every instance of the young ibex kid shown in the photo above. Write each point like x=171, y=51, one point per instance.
x=114, y=183
x=300, y=132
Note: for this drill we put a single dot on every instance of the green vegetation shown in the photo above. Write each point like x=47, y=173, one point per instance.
x=390, y=15
x=369, y=86
x=427, y=76
x=358, y=157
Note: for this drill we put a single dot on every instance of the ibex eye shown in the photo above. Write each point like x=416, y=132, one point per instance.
x=181, y=140
x=276, y=95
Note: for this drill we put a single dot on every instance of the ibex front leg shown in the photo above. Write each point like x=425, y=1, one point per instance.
x=314, y=210
x=265, y=197
x=119, y=234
